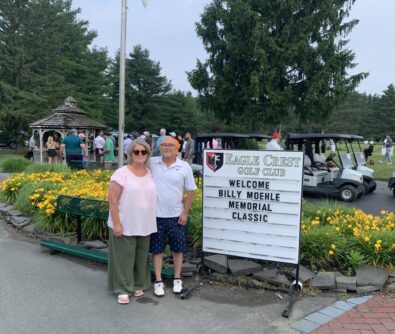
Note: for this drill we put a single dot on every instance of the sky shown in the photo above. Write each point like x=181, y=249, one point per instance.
x=167, y=29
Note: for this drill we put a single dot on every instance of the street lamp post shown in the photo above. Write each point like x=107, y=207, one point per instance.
x=122, y=55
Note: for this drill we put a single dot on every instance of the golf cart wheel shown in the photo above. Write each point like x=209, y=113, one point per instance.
x=365, y=187
x=347, y=193
x=373, y=188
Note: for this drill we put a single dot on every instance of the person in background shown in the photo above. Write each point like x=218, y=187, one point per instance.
x=132, y=201
x=332, y=146
x=184, y=144
x=50, y=145
x=215, y=143
x=98, y=145
x=156, y=151
x=85, y=152
x=388, y=149
x=189, y=148
x=108, y=151
x=72, y=145
x=32, y=146
x=126, y=144
x=175, y=192
x=180, y=143
x=148, y=138
x=274, y=144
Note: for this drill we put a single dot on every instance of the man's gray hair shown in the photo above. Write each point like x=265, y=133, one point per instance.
x=73, y=131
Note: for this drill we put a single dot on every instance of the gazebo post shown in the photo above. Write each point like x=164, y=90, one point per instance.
x=41, y=146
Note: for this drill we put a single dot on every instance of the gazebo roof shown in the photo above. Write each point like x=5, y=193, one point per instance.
x=67, y=116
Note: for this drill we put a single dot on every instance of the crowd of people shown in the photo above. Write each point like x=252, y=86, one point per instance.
x=75, y=147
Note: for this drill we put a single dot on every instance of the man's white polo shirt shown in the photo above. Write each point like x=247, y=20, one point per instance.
x=171, y=182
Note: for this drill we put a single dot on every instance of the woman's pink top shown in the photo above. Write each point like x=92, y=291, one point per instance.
x=137, y=203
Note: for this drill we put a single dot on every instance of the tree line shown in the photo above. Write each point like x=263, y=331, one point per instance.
x=270, y=65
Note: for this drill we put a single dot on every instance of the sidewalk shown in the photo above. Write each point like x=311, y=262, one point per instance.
x=361, y=315
x=376, y=316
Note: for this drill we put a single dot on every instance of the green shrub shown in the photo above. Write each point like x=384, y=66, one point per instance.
x=23, y=202
x=62, y=224
x=378, y=248
x=195, y=230
x=94, y=229
x=322, y=247
x=15, y=165
x=40, y=168
x=353, y=260
x=324, y=209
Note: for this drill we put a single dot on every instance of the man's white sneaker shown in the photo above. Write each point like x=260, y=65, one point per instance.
x=177, y=286
x=159, y=289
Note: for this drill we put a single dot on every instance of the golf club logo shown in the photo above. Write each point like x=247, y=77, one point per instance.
x=214, y=160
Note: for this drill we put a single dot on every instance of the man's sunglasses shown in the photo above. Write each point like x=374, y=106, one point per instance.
x=140, y=152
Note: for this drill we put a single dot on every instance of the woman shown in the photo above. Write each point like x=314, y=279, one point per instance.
x=51, y=150
x=132, y=219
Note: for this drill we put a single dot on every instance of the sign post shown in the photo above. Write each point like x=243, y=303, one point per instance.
x=252, y=204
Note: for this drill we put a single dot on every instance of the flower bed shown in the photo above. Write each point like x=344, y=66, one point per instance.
x=36, y=193
x=332, y=236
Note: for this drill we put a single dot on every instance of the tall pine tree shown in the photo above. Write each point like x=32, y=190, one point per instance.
x=271, y=59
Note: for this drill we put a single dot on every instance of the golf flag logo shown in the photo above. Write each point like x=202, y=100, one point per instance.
x=214, y=160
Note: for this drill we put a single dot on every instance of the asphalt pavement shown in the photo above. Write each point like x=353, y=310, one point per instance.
x=381, y=199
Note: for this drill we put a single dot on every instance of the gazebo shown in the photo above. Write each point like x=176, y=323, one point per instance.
x=63, y=118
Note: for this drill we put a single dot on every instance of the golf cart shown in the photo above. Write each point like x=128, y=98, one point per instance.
x=361, y=162
x=391, y=183
x=324, y=175
x=225, y=141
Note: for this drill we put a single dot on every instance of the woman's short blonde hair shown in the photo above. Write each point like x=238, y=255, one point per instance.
x=132, y=146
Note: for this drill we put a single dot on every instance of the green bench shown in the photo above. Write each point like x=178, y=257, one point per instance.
x=85, y=207
x=79, y=207
x=89, y=254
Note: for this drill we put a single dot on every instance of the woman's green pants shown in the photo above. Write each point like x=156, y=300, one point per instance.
x=128, y=268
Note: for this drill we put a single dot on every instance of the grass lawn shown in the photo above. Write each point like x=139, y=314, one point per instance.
x=382, y=171
x=6, y=154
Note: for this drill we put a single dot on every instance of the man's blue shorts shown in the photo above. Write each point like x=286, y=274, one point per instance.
x=169, y=232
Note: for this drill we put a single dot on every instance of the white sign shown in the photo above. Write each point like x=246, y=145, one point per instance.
x=252, y=203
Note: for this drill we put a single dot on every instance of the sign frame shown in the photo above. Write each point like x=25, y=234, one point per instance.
x=299, y=179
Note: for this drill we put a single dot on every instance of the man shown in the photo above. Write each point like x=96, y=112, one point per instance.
x=155, y=149
x=189, y=148
x=172, y=177
x=274, y=144
x=108, y=151
x=126, y=144
x=99, y=144
x=388, y=149
x=73, y=146
x=32, y=146
x=148, y=138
